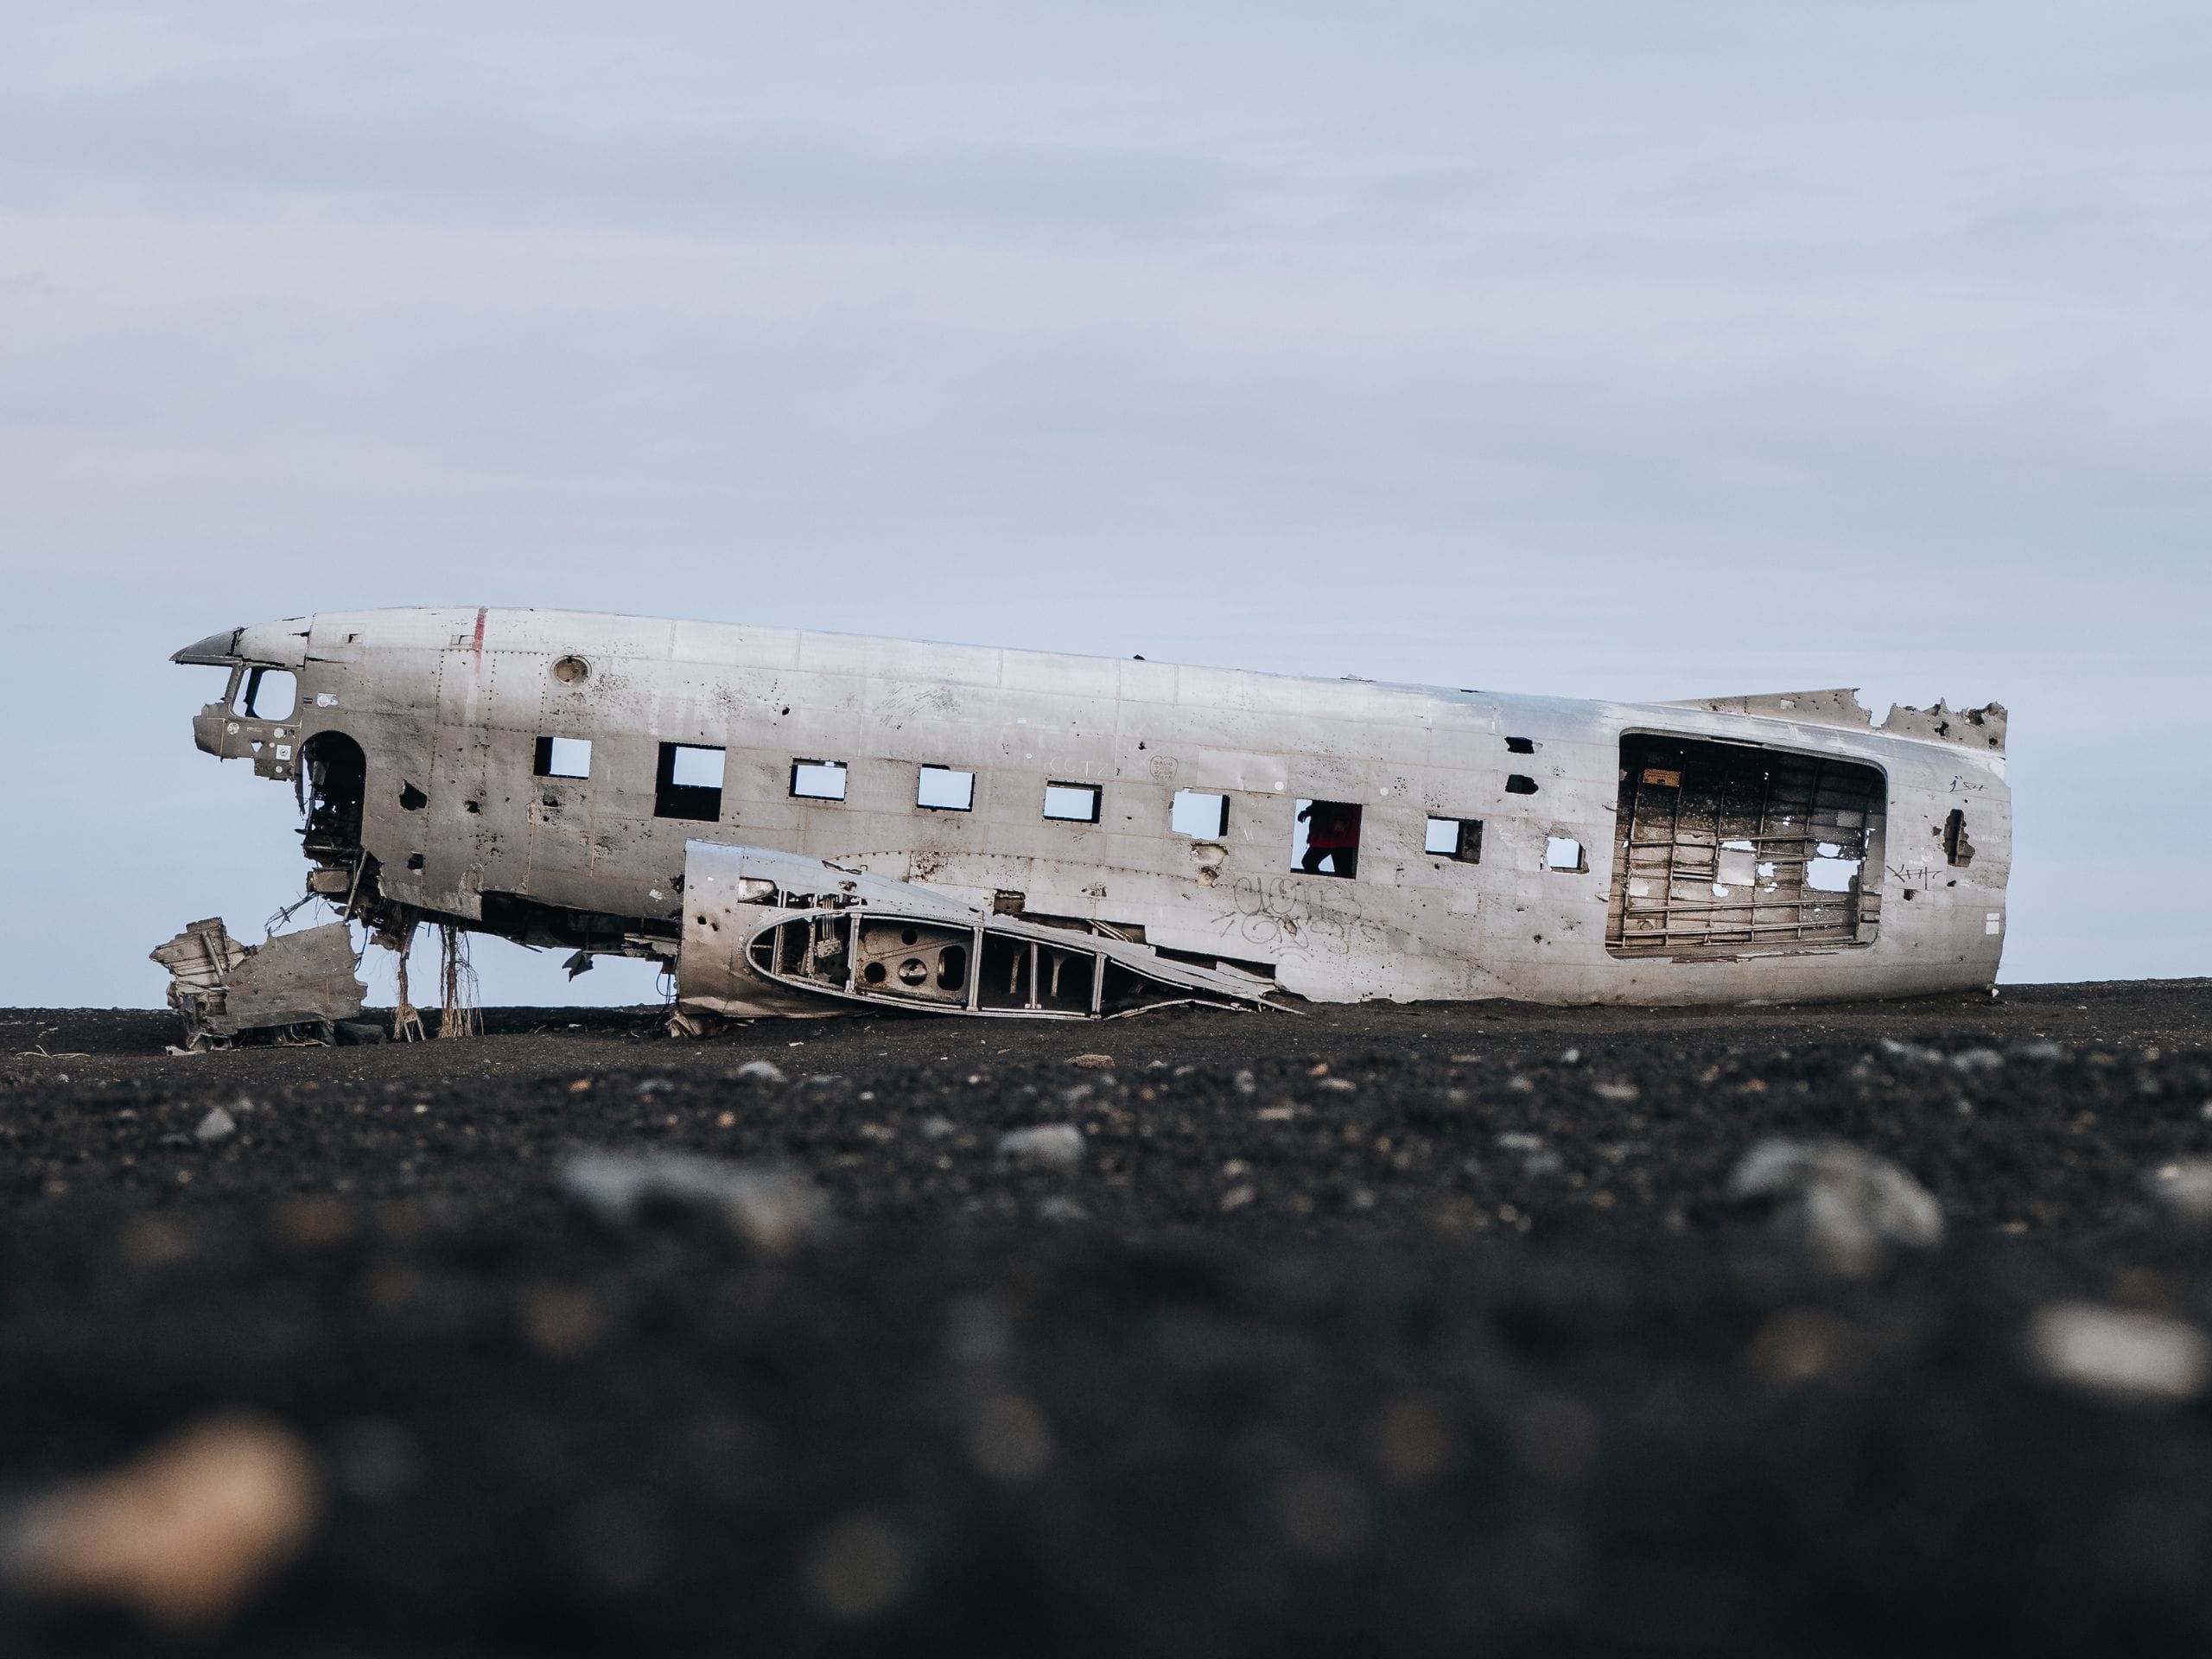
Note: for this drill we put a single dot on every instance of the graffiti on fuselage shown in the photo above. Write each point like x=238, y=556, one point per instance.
x=1280, y=913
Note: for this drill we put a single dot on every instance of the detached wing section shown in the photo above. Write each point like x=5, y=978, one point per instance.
x=770, y=933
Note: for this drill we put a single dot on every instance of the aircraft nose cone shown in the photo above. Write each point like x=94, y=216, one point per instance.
x=216, y=650
x=266, y=645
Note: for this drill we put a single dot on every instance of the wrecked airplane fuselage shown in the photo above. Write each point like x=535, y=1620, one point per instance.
x=1161, y=833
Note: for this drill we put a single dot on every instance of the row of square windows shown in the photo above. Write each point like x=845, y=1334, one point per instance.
x=687, y=784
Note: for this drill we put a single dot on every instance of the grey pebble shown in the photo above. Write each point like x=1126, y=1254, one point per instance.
x=1047, y=1146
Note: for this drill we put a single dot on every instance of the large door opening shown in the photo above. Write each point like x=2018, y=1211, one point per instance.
x=1733, y=849
x=332, y=783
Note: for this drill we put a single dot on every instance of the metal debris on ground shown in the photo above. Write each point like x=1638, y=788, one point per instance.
x=296, y=987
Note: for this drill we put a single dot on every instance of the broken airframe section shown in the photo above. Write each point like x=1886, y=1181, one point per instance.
x=297, y=988
x=769, y=934
x=1071, y=837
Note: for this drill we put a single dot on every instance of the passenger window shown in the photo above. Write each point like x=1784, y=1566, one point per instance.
x=1455, y=838
x=689, y=783
x=818, y=780
x=1071, y=802
x=570, y=757
x=943, y=789
x=1198, y=814
x=1326, y=832
x=268, y=694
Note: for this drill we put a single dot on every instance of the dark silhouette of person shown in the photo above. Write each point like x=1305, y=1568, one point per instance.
x=1331, y=833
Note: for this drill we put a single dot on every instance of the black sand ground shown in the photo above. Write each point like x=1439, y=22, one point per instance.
x=1302, y=1360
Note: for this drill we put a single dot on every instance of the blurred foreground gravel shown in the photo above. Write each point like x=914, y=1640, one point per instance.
x=1372, y=1330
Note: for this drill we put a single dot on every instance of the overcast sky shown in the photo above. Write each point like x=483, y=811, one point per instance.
x=1615, y=349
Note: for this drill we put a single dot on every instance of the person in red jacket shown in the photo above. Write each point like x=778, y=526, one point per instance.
x=1332, y=832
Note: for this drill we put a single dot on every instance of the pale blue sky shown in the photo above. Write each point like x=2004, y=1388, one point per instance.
x=1588, y=348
